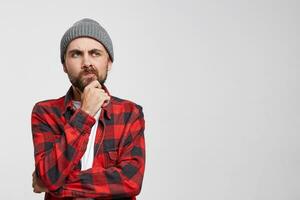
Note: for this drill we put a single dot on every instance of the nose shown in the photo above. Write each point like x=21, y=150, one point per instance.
x=86, y=62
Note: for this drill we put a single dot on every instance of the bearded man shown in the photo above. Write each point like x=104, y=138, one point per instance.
x=88, y=144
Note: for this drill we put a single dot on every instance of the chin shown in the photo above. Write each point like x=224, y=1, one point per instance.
x=88, y=80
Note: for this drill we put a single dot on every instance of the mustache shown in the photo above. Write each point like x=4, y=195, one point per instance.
x=89, y=70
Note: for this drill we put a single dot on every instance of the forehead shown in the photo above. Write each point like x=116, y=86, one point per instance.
x=85, y=43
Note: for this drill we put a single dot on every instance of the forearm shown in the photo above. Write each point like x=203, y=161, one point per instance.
x=124, y=179
x=102, y=183
x=56, y=153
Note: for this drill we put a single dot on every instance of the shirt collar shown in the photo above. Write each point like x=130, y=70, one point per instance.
x=68, y=103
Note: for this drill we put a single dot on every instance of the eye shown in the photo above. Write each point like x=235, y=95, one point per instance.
x=96, y=54
x=75, y=55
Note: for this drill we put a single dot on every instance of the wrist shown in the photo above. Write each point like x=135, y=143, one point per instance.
x=85, y=110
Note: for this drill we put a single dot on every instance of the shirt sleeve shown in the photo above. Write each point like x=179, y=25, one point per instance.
x=57, y=150
x=119, y=181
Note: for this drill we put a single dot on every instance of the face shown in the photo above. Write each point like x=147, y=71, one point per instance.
x=86, y=60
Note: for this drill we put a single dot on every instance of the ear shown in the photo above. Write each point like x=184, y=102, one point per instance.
x=109, y=66
x=65, y=68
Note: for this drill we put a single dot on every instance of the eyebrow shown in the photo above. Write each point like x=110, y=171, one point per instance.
x=80, y=51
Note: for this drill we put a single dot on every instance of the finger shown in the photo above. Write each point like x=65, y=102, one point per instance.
x=36, y=189
x=105, y=97
x=39, y=189
x=105, y=104
x=100, y=90
x=106, y=101
x=34, y=177
x=33, y=183
x=94, y=84
x=103, y=94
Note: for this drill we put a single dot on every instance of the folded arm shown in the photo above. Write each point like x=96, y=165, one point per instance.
x=122, y=180
x=57, y=151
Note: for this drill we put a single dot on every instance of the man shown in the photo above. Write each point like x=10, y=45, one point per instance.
x=88, y=144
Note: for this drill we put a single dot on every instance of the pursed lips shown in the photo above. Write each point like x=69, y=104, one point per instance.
x=88, y=74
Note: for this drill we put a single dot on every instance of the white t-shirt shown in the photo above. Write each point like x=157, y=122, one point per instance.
x=88, y=157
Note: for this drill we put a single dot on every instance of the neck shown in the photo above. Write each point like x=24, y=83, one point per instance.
x=76, y=94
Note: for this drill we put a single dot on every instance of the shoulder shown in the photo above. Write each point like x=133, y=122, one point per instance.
x=56, y=104
x=126, y=105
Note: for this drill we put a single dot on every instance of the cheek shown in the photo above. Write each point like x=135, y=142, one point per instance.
x=102, y=70
x=72, y=63
x=72, y=67
x=101, y=65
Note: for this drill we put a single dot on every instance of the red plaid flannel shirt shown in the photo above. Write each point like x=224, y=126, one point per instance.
x=60, y=136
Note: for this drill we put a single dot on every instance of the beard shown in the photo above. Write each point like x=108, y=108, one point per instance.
x=81, y=81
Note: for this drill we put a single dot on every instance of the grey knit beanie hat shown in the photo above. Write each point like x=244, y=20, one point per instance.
x=86, y=28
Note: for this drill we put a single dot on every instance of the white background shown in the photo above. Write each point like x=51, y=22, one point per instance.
x=218, y=81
